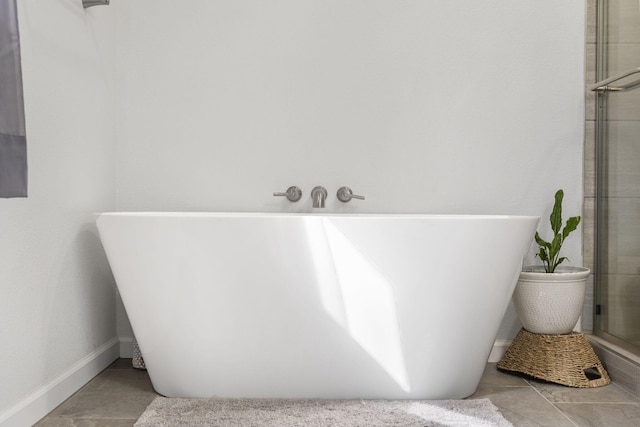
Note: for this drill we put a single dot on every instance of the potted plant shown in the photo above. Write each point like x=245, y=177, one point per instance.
x=549, y=298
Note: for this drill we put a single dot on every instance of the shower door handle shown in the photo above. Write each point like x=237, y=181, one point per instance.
x=603, y=86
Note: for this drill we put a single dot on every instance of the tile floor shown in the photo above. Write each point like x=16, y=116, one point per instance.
x=119, y=395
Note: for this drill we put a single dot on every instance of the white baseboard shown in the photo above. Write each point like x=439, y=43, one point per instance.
x=45, y=399
x=499, y=349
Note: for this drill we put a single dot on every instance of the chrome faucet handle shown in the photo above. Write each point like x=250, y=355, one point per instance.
x=345, y=194
x=293, y=194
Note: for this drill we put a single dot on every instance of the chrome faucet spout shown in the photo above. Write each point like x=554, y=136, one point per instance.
x=318, y=196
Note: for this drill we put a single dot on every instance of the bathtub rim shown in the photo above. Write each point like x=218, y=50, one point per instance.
x=210, y=214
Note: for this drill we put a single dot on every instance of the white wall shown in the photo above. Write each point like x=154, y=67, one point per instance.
x=423, y=106
x=433, y=106
x=57, y=299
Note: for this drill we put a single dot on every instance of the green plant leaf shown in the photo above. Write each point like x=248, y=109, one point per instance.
x=541, y=242
x=549, y=253
x=572, y=224
x=556, y=244
x=543, y=254
x=556, y=213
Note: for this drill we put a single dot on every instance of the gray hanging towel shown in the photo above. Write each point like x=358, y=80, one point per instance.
x=13, y=141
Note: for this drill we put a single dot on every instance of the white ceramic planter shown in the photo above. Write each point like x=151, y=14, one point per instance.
x=550, y=303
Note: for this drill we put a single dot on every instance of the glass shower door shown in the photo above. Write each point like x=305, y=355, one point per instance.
x=618, y=170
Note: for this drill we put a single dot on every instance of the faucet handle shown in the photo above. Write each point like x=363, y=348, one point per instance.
x=345, y=194
x=293, y=194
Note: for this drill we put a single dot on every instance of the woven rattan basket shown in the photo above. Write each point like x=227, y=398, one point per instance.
x=566, y=359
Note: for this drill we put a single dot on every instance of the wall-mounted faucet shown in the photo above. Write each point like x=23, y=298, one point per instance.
x=318, y=195
x=345, y=194
x=293, y=194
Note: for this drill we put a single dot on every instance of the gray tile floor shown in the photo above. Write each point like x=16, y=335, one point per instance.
x=119, y=395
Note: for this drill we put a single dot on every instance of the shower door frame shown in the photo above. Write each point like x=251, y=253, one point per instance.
x=601, y=189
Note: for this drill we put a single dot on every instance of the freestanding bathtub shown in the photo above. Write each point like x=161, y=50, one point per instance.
x=315, y=306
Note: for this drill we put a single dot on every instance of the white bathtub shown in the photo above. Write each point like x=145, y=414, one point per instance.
x=315, y=306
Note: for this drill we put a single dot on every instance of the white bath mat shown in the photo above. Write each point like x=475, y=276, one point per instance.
x=177, y=412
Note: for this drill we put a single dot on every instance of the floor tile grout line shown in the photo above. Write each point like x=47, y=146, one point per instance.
x=563, y=413
x=633, y=396
x=553, y=405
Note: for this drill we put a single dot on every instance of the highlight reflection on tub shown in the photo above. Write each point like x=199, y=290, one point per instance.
x=315, y=306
